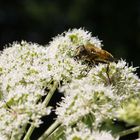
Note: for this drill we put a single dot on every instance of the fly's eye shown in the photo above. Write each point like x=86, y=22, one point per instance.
x=81, y=48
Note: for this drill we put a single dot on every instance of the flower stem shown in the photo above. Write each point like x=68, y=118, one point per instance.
x=45, y=102
x=50, y=94
x=129, y=131
x=12, y=137
x=49, y=130
x=29, y=132
x=139, y=134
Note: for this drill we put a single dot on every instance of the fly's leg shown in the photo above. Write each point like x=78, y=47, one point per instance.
x=107, y=73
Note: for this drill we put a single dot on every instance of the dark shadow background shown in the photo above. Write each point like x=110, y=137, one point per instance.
x=116, y=22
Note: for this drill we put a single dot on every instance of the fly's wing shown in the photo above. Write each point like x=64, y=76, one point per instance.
x=94, y=54
x=98, y=55
x=93, y=51
x=108, y=56
x=92, y=48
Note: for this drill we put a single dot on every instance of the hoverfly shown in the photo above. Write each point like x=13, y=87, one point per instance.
x=95, y=55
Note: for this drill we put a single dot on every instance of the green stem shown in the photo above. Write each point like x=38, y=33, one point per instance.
x=45, y=102
x=12, y=137
x=50, y=94
x=57, y=133
x=29, y=132
x=49, y=130
x=129, y=131
x=139, y=134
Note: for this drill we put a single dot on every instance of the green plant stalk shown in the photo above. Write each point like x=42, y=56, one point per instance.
x=50, y=94
x=29, y=132
x=129, y=131
x=139, y=134
x=57, y=133
x=45, y=102
x=12, y=137
x=49, y=130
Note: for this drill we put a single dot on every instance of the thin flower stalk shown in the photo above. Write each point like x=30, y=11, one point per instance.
x=49, y=130
x=45, y=103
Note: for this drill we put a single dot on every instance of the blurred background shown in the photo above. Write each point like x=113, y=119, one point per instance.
x=115, y=22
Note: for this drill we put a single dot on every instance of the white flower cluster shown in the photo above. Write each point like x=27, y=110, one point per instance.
x=98, y=95
x=92, y=94
x=23, y=79
x=130, y=112
x=84, y=98
x=83, y=133
x=27, y=69
x=61, y=53
x=122, y=77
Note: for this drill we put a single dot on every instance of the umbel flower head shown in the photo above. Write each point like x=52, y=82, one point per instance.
x=130, y=112
x=62, y=51
x=98, y=95
x=23, y=78
x=27, y=69
x=84, y=133
x=93, y=95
